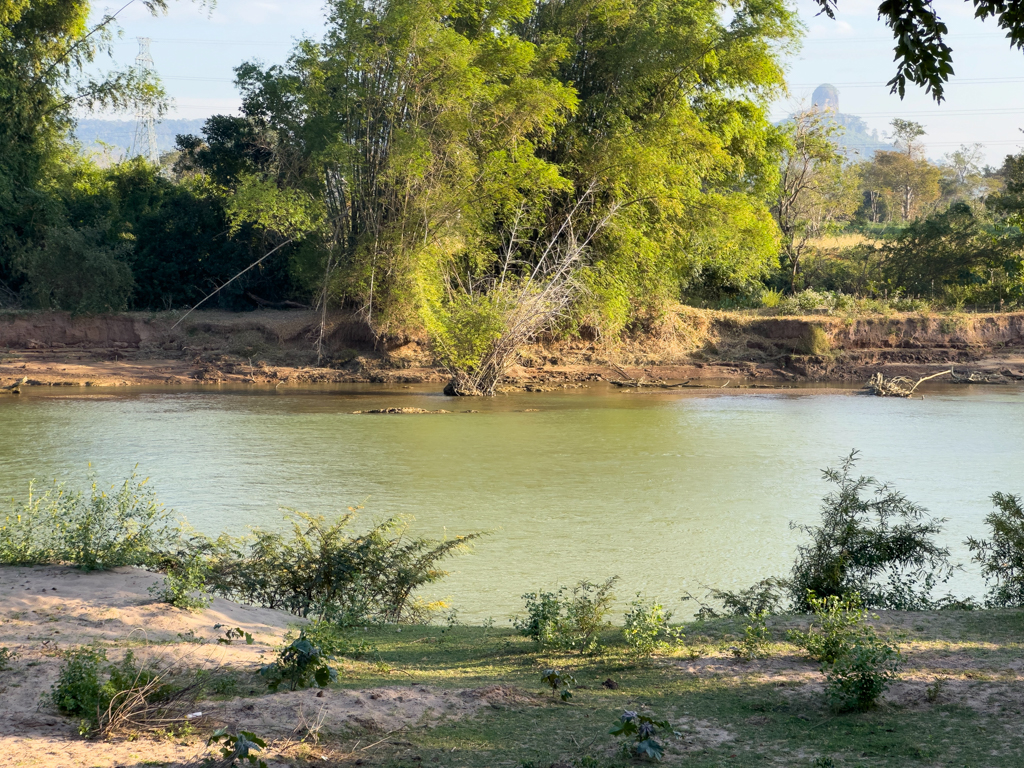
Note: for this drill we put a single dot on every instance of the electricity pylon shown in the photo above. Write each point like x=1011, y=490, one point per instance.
x=144, y=143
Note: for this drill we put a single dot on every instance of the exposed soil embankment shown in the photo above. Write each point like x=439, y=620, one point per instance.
x=278, y=347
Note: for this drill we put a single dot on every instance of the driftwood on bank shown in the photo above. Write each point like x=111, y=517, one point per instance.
x=898, y=386
x=15, y=388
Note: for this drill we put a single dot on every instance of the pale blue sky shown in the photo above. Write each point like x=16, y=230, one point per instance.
x=195, y=51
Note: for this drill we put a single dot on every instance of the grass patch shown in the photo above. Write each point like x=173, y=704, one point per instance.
x=769, y=711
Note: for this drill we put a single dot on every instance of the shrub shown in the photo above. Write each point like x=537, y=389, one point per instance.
x=645, y=622
x=184, y=584
x=6, y=657
x=299, y=664
x=542, y=609
x=570, y=620
x=640, y=731
x=764, y=597
x=862, y=543
x=1002, y=556
x=556, y=679
x=322, y=570
x=754, y=644
x=857, y=663
x=817, y=341
x=862, y=673
x=94, y=530
x=77, y=690
x=237, y=746
x=840, y=621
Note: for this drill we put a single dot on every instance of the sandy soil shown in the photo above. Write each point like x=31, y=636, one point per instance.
x=49, y=609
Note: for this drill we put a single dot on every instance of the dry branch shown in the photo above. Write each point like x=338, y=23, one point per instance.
x=898, y=386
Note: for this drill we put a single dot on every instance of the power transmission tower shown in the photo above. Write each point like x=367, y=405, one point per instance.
x=144, y=143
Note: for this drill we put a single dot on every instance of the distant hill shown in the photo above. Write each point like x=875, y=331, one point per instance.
x=120, y=133
x=857, y=141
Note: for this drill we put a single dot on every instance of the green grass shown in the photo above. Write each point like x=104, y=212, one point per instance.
x=766, y=717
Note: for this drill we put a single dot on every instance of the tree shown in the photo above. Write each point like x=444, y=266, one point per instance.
x=418, y=135
x=816, y=192
x=922, y=55
x=956, y=247
x=962, y=176
x=871, y=541
x=904, y=178
x=45, y=48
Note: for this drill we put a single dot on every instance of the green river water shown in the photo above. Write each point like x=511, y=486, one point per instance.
x=668, y=490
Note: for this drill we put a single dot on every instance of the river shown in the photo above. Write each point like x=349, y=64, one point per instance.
x=667, y=490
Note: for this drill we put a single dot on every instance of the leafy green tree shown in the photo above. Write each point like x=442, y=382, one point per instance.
x=672, y=126
x=45, y=50
x=956, y=247
x=816, y=192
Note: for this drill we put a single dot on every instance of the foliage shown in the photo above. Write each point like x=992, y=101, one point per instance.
x=817, y=190
x=858, y=663
x=956, y=247
x=764, y=597
x=756, y=638
x=840, y=621
x=323, y=570
x=640, y=732
x=77, y=689
x=299, y=664
x=95, y=530
x=862, y=543
x=862, y=673
x=645, y=622
x=1002, y=555
x=570, y=620
x=184, y=584
x=238, y=746
x=6, y=657
x=559, y=680
x=922, y=54
x=233, y=633
x=81, y=690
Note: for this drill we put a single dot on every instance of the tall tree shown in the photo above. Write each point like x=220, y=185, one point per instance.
x=816, y=191
x=904, y=177
x=45, y=49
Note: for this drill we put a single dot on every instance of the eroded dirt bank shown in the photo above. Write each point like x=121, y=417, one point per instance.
x=278, y=347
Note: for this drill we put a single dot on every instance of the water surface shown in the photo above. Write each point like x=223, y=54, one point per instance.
x=668, y=490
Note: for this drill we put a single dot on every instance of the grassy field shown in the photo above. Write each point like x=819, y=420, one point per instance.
x=958, y=701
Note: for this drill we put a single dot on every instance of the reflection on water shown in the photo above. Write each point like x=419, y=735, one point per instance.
x=669, y=490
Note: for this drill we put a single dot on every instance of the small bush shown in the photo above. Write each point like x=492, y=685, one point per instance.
x=862, y=673
x=237, y=746
x=77, y=690
x=645, y=622
x=640, y=732
x=559, y=680
x=764, y=597
x=184, y=584
x=323, y=570
x=94, y=530
x=1002, y=555
x=857, y=663
x=817, y=341
x=840, y=620
x=6, y=657
x=570, y=620
x=299, y=664
x=756, y=638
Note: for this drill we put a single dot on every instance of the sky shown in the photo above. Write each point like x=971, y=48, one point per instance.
x=195, y=50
